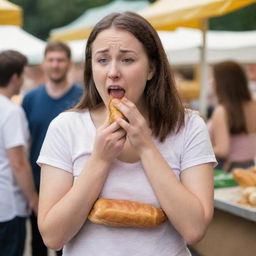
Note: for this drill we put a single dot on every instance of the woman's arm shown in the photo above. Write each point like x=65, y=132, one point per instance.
x=188, y=203
x=64, y=205
x=220, y=132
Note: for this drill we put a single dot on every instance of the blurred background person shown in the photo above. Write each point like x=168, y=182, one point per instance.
x=17, y=190
x=233, y=123
x=44, y=103
x=251, y=71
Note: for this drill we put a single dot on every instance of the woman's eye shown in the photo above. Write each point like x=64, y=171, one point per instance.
x=127, y=60
x=102, y=60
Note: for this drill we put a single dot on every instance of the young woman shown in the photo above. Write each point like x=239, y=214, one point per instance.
x=159, y=154
x=233, y=123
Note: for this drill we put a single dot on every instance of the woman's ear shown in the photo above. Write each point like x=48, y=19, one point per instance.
x=151, y=71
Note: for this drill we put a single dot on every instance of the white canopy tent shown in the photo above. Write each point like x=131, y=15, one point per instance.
x=239, y=46
x=183, y=46
x=14, y=38
x=81, y=27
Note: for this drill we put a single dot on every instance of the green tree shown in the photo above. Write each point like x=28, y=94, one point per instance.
x=243, y=19
x=40, y=16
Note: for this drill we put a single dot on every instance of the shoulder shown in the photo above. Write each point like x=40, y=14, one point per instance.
x=32, y=94
x=35, y=91
x=12, y=108
x=78, y=88
x=194, y=124
x=68, y=119
x=32, y=97
x=193, y=118
x=219, y=110
x=219, y=113
x=13, y=111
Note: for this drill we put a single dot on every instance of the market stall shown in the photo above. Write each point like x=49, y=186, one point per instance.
x=232, y=230
x=170, y=14
x=15, y=38
x=10, y=14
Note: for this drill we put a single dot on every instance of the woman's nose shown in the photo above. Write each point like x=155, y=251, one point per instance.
x=113, y=71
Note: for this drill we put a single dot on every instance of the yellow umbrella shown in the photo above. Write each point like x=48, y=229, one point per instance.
x=170, y=14
x=10, y=14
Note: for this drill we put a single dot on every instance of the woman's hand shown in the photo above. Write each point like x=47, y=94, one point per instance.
x=109, y=141
x=138, y=132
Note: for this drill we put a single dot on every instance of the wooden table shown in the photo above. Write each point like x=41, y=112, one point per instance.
x=232, y=231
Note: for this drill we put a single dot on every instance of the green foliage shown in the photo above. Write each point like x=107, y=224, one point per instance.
x=243, y=19
x=40, y=16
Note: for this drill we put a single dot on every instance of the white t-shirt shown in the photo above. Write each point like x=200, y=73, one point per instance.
x=13, y=133
x=69, y=143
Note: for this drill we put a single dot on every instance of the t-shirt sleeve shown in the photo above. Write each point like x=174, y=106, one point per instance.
x=197, y=144
x=14, y=129
x=56, y=150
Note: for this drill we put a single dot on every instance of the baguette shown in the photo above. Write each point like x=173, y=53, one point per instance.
x=124, y=213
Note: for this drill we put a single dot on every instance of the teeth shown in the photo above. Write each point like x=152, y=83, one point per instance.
x=115, y=88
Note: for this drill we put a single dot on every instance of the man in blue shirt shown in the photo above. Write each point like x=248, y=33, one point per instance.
x=43, y=104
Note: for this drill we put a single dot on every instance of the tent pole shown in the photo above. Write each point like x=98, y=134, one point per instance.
x=203, y=68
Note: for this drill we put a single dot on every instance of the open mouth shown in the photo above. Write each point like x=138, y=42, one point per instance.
x=116, y=92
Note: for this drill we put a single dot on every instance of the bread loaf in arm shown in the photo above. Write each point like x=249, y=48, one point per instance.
x=124, y=213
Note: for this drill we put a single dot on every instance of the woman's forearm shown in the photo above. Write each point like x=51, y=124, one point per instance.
x=68, y=215
x=182, y=207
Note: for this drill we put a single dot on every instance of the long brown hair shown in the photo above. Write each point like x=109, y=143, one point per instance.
x=166, y=111
x=232, y=91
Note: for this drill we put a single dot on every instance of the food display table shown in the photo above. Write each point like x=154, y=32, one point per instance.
x=232, y=231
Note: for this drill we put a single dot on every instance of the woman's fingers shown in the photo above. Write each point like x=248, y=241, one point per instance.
x=128, y=108
x=120, y=134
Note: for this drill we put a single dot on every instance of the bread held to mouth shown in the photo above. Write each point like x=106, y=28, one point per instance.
x=124, y=213
x=113, y=112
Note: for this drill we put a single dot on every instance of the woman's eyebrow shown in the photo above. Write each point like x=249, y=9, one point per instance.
x=102, y=50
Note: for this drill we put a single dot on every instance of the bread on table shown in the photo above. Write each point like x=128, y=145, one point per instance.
x=249, y=196
x=252, y=199
x=124, y=213
x=245, y=177
x=246, y=192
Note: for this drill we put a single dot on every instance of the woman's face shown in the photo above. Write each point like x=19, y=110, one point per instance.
x=120, y=66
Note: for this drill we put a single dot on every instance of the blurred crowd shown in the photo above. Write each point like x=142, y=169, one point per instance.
x=44, y=91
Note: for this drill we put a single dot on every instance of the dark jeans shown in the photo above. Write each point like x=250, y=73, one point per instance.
x=38, y=247
x=12, y=237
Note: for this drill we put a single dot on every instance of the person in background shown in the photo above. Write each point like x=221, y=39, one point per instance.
x=160, y=154
x=44, y=103
x=17, y=191
x=233, y=123
x=251, y=72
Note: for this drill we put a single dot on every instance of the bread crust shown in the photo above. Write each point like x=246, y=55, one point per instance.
x=245, y=178
x=124, y=213
x=113, y=112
